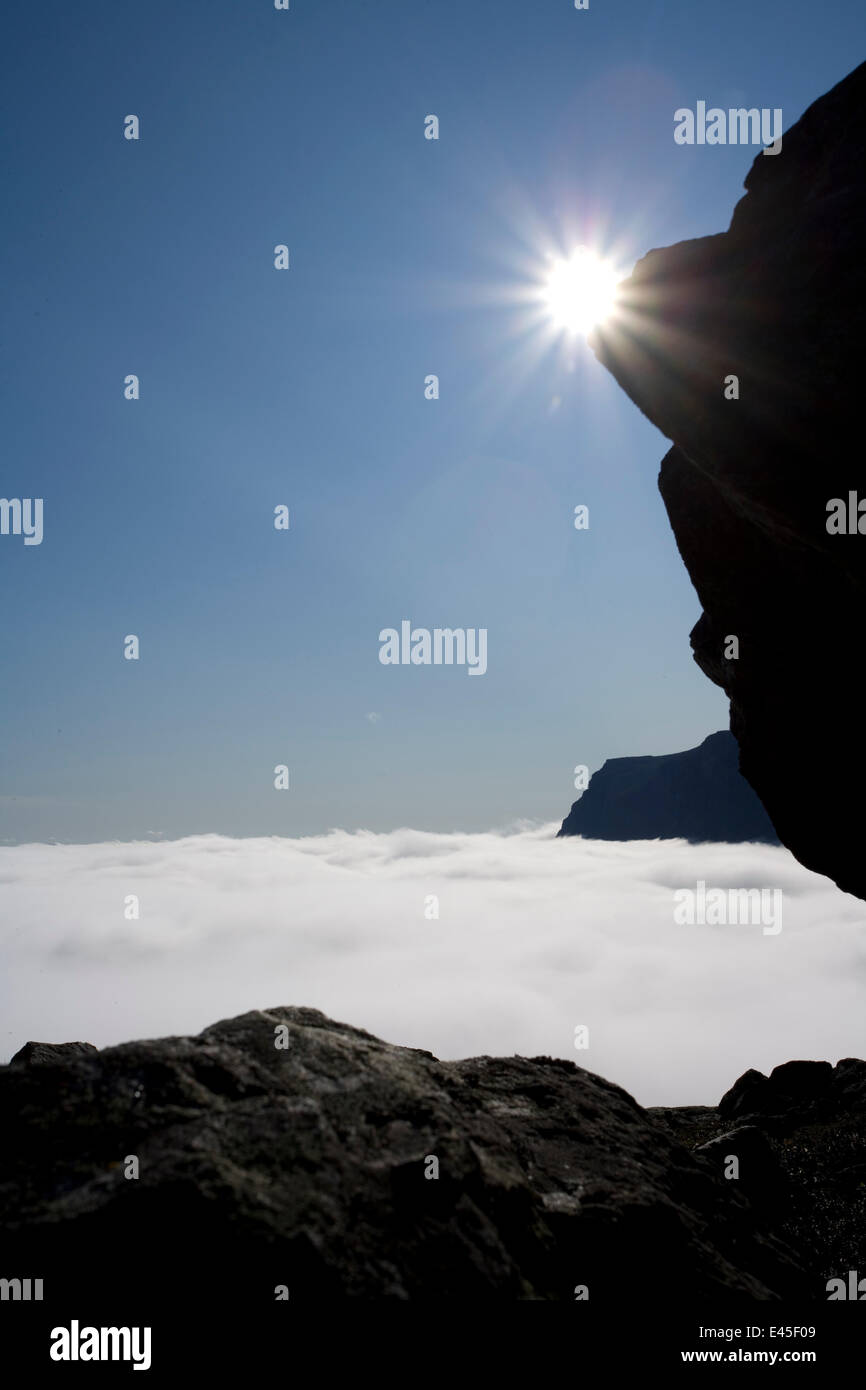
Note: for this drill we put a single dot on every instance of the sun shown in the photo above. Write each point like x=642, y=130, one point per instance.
x=580, y=292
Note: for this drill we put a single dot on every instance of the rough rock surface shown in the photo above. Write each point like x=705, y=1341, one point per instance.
x=800, y=1135
x=696, y=795
x=305, y=1167
x=778, y=301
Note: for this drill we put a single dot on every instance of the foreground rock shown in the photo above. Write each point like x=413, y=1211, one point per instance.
x=307, y=1167
x=696, y=795
x=777, y=301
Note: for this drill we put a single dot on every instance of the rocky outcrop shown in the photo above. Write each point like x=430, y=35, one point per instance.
x=282, y=1149
x=696, y=795
x=777, y=301
x=799, y=1137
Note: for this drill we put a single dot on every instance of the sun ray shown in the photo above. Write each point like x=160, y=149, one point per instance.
x=580, y=292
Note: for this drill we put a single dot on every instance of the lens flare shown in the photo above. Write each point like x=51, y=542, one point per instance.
x=580, y=292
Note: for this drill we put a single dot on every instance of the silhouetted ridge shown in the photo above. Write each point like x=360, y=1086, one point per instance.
x=696, y=795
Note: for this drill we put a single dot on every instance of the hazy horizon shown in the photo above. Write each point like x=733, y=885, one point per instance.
x=533, y=938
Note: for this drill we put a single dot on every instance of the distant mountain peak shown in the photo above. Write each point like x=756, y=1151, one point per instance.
x=696, y=795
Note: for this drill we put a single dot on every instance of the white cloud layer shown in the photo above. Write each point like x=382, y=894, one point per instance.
x=535, y=936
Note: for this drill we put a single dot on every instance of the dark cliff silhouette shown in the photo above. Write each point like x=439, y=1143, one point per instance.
x=696, y=795
x=777, y=302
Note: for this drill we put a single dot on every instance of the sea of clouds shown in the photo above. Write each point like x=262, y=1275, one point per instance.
x=535, y=937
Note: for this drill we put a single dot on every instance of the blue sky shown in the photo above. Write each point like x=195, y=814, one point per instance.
x=306, y=387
